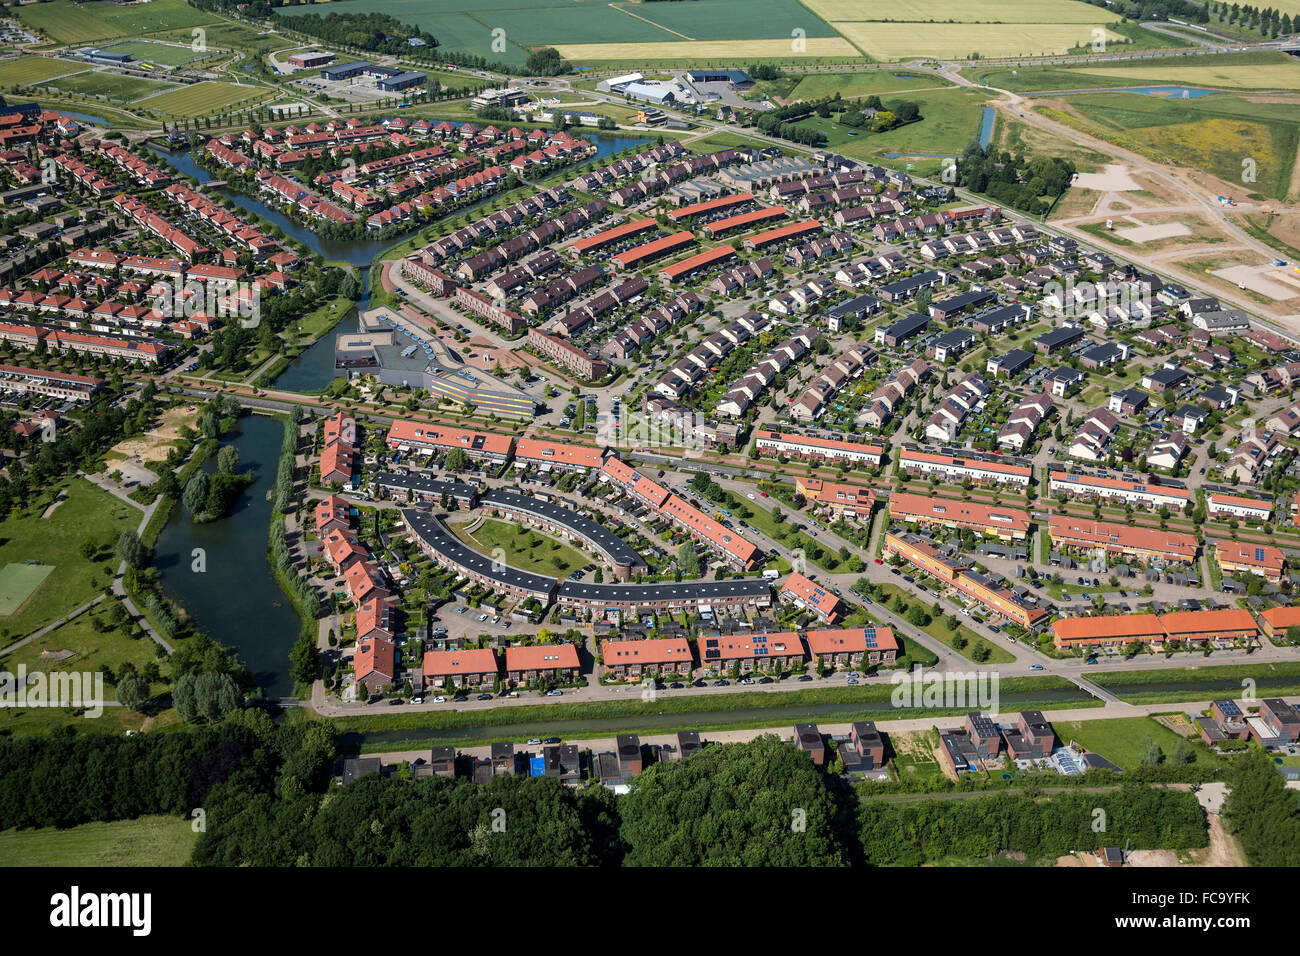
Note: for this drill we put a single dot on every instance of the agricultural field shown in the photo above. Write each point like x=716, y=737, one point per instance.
x=1283, y=73
x=897, y=41
x=1256, y=70
x=1213, y=133
x=85, y=514
x=144, y=841
x=584, y=30
x=112, y=86
x=205, y=98
x=33, y=69
x=972, y=11
x=64, y=21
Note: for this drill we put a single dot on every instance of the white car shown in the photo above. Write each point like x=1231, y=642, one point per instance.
x=440, y=700
x=417, y=700
x=482, y=618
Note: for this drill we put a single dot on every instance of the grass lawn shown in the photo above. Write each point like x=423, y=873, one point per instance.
x=1119, y=739
x=123, y=89
x=88, y=514
x=18, y=582
x=163, y=54
x=90, y=649
x=815, y=86
x=204, y=98
x=529, y=549
x=941, y=632
x=146, y=841
x=34, y=69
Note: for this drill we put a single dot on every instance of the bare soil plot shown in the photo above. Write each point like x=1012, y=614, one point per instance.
x=1113, y=179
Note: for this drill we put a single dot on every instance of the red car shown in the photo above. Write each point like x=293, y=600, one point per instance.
x=878, y=561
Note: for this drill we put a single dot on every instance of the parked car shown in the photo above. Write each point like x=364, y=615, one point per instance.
x=440, y=700
x=555, y=693
x=1035, y=667
x=534, y=741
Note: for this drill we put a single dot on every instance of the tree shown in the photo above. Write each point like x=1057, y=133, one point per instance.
x=131, y=691
x=129, y=549
x=1182, y=754
x=688, y=559
x=1149, y=752
x=732, y=805
x=228, y=459
x=195, y=498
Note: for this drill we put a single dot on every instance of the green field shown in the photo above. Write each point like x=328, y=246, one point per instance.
x=204, y=98
x=1119, y=739
x=163, y=54
x=64, y=21
x=950, y=120
x=88, y=514
x=530, y=551
x=33, y=69
x=146, y=841
x=18, y=582
x=693, y=29
x=90, y=648
x=112, y=86
x=816, y=86
x=1254, y=70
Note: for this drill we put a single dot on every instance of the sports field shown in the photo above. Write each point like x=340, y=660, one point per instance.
x=18, y=582
x=203, y=98
x=146, y=841
x=113, y=86
x=163, y=54
x=22, y=70
x=64, y=21
x=853, y=85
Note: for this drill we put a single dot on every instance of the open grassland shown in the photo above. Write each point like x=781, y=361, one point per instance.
x=88, y=513
x=79, y=646
x=1214, y=134
x=64, y=21
x=951, y=120
x=204, y=98
x=970, y=11
x=33, y=69
x=897, y=41
x=1119, y=740
x=145, y=841
x=818, y=86
x=113, y=86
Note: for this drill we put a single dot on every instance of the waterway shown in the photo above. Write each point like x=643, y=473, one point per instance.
x=235, y=598
x=839, y=712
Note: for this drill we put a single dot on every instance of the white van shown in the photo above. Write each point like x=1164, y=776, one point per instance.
x=771, y=574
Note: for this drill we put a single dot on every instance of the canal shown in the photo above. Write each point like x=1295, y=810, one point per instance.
x=658, y=722
x=234, y=598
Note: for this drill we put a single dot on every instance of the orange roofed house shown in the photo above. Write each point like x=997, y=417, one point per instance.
x=545, y=662
x=374, y=664
x=1191, y=627
x=1142, y=544
x=853, y=646
x=637, y=658
x=469, y=668
x=748, y=652
x=1276, y=621
x=843, y=501
x=427, y=439
x=802, y=592
x=1239, y=557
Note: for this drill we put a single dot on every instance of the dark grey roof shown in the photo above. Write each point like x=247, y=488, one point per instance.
x=435, y=535
x=424, y=485
x=698, y=591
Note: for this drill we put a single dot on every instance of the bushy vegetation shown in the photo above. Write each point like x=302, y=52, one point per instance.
x=1016, y=181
